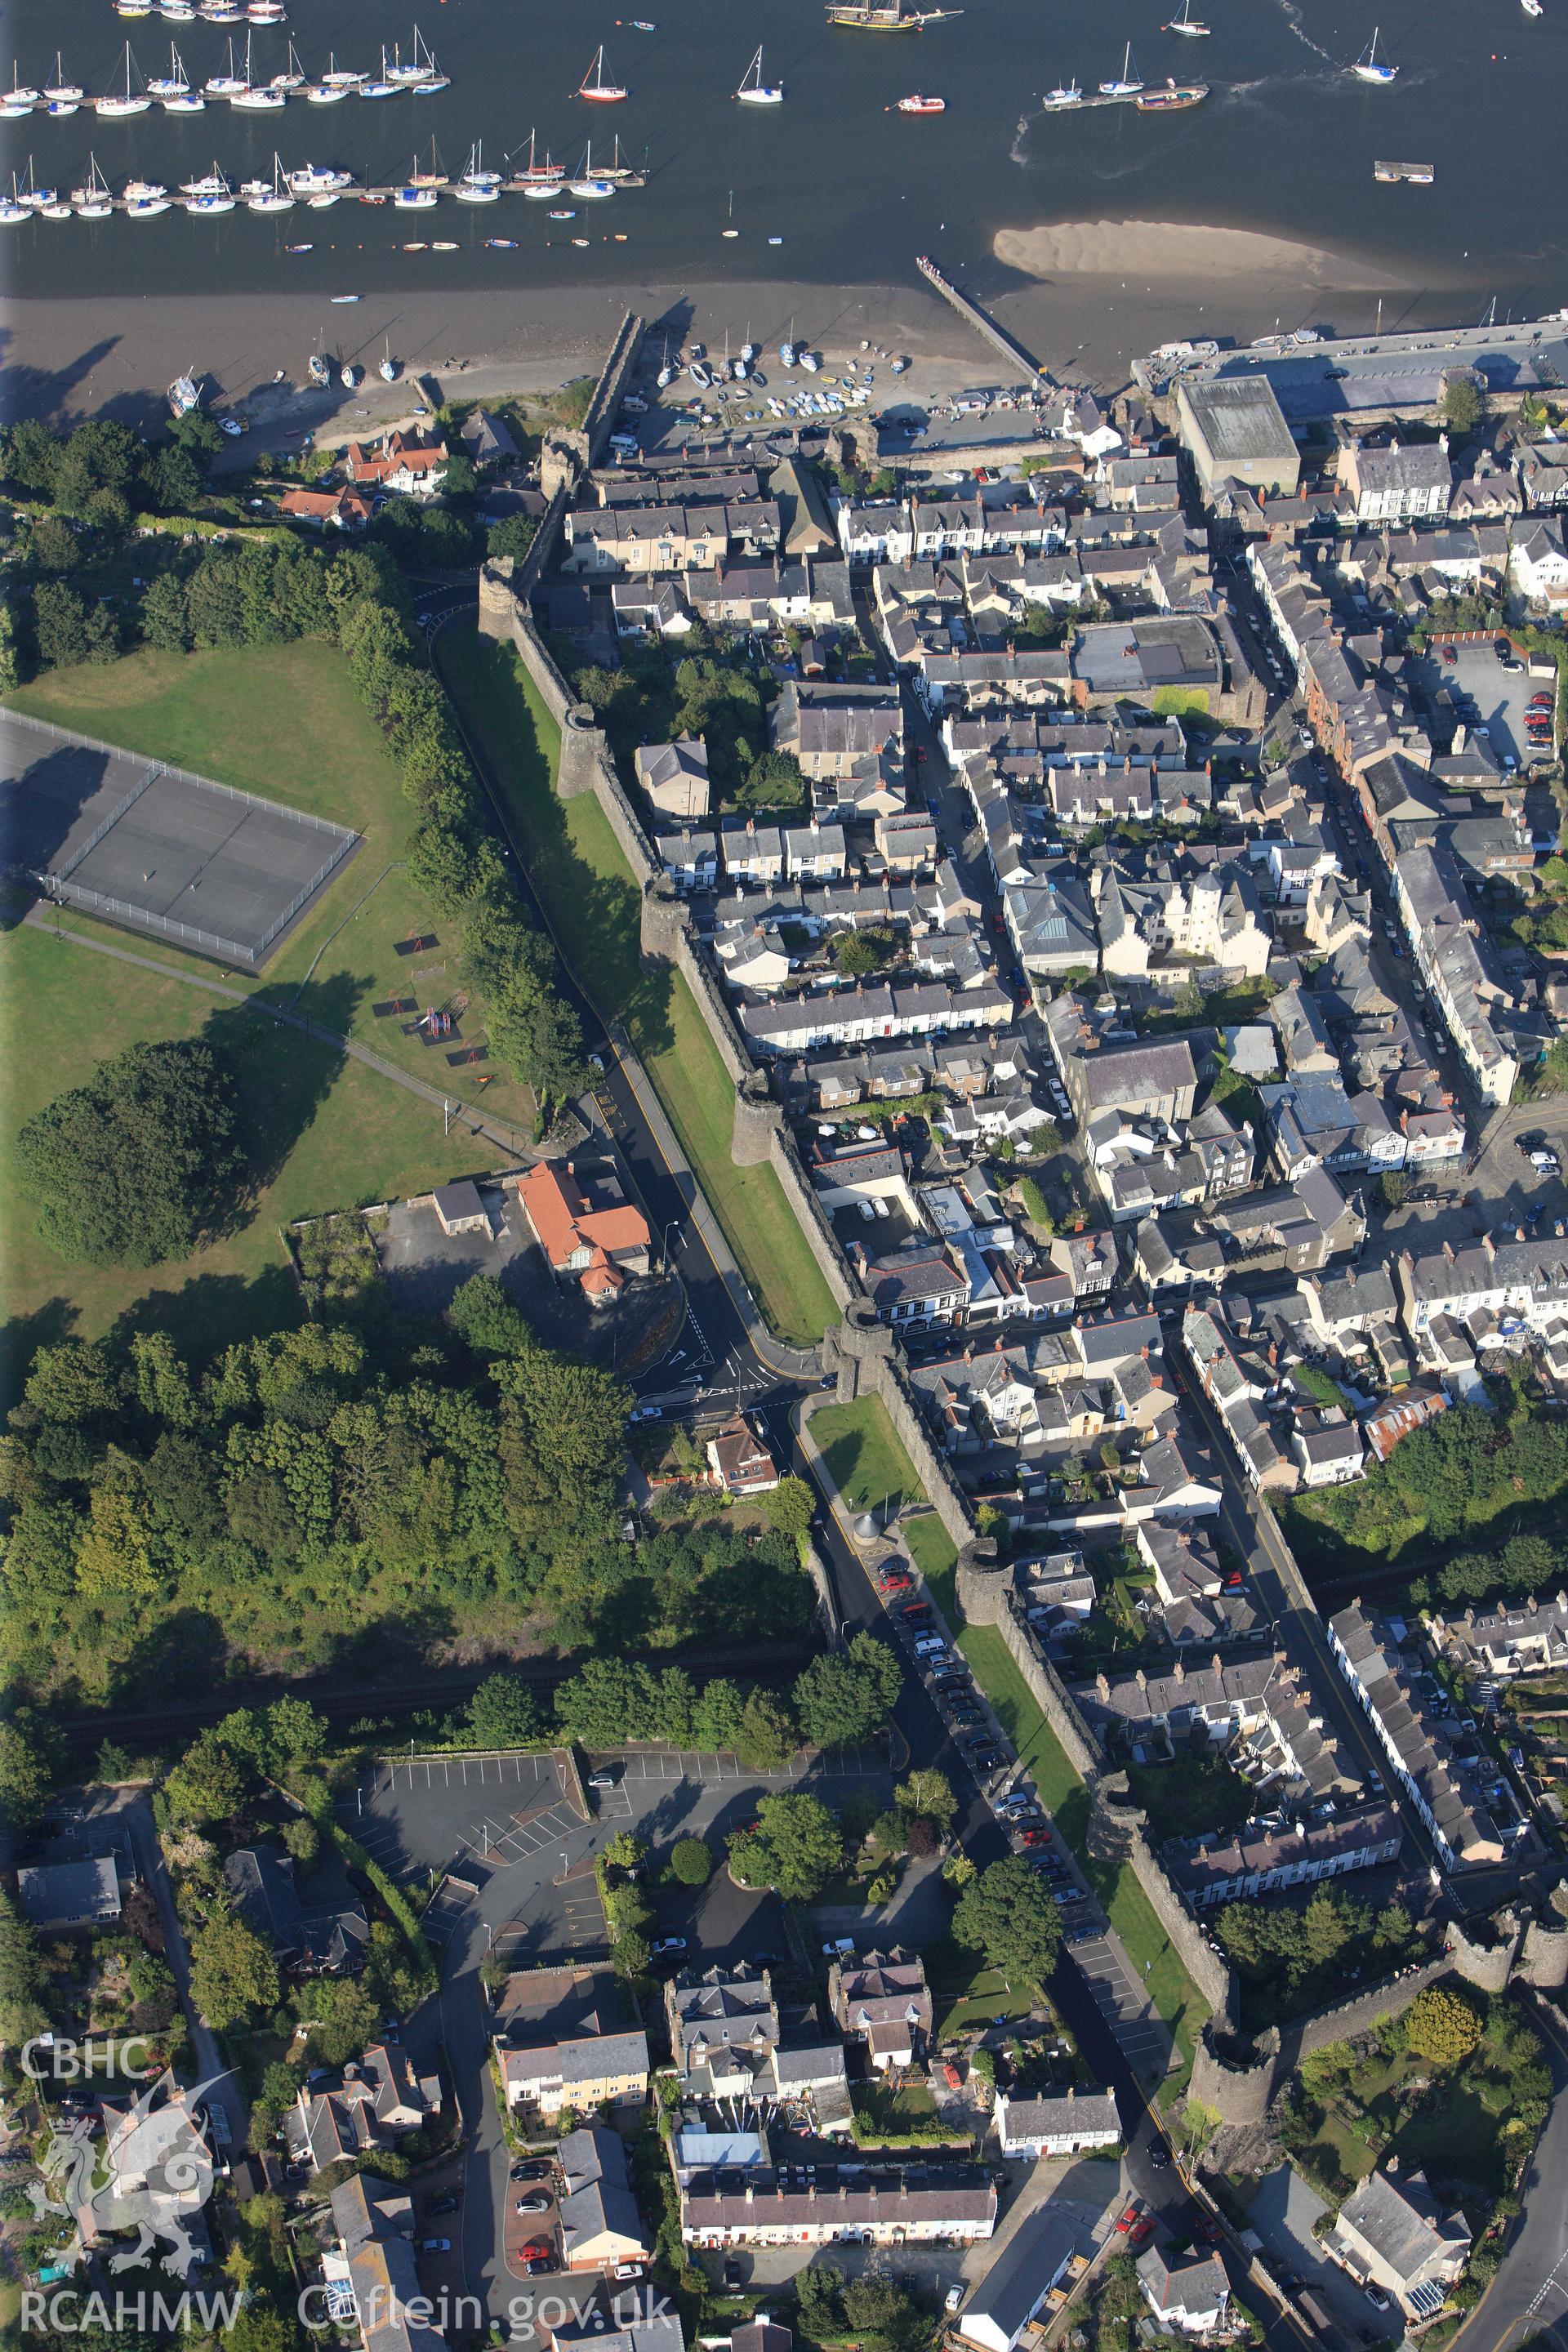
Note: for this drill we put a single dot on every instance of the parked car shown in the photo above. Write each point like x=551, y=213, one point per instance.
x=670, y=1944
x=916, y=1612
x=536, y=2251
x=535, y=2266
x=605, y=1778
x=1378, y=2300
x=532, y=2205
x=1450, y=654
x=435, y=2245
x=1032, y=1838
x=535, y=2169
x=732, y=2276
x=1127, y=2217
x=896, y=1580
x=1159, y=2155
x=447, y=2204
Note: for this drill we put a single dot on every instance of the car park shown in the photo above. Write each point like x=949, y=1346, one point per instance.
x=963, y=1713
x=605, y=1778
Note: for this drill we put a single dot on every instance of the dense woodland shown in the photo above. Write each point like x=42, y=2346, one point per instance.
x=1456, y=1477
x=348, y=1498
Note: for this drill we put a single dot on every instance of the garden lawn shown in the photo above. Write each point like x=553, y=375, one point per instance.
x=582, y=881
x=1126, y=1905
x=286, y=721
x=966, y=1991
x=862, y=1450
x=338, y=1135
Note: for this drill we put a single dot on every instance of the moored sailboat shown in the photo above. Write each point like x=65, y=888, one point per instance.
x=595, y=89
x=755, y=90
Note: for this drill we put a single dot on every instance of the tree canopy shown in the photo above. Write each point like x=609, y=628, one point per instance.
x=1441, y=2026
x=796, y=1846
x=1007, y=1913
x=233, y=1973
x=842, y=1699
x=133, y=1167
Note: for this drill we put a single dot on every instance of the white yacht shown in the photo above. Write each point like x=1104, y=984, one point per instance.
x=1127, y=83
x=1369, y=67
x=62, y=92
x=94, y=200
x=475, y=185
x=755, y=90
x=1066, y=94
x=116, y=103
x=273, y=198
x=227, y=85
x=319, y=179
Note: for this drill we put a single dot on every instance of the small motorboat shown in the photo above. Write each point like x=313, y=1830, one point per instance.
x=1068, y=94
x=567, y=215
x=319, y=179
x=916, y=104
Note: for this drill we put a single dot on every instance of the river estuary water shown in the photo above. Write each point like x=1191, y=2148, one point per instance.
x=852, y=192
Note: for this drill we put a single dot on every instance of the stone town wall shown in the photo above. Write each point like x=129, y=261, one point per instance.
x=759, y=1132
x=860, y=1350
x=1241, y=2083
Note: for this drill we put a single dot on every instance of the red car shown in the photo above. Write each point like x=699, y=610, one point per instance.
x=1126, y=2220
x=536, y=2251
x=1031, y=1838
x=1449, y=654
x=1142, y=2227
x=1541, y=701
x=897, y=1580
x=916, y=1612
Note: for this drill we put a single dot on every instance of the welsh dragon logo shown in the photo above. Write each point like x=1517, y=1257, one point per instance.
x=150, y=2171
